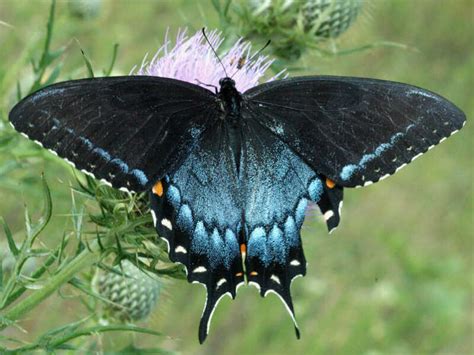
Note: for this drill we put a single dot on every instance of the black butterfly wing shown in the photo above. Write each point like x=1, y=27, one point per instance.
x=128, y=131
x=198, y=210
x=354, y=131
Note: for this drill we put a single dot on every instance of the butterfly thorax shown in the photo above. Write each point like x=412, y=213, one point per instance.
x=229, y=100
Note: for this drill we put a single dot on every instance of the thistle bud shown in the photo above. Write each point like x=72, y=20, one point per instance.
x=295, y=25
x=132, y=293
x=84, y=9
x=329, y=18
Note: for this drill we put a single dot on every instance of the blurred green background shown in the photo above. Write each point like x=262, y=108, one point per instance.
x=396, y=277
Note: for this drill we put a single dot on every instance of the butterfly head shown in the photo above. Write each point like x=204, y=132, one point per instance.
x=228, y=91
x=226, y=83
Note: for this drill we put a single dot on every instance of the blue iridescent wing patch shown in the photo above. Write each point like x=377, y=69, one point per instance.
x=355, y=131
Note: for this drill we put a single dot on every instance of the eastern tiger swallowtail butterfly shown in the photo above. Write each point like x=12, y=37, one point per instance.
x=230, y=174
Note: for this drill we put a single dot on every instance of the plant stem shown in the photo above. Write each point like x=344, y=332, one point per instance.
x=37, y=274
x=82, y=261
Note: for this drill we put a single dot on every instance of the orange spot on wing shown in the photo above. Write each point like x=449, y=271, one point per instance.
x=330, y=183
x=158, y=189
x=243, y=249
x=239, y=274
x=253, y=273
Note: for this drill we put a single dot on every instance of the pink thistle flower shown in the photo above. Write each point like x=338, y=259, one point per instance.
x=192, y=60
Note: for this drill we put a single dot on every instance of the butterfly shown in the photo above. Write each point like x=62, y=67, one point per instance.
x=230, y=174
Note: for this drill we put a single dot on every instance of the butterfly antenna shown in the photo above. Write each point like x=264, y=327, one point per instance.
x=253, y=56
x=210, y=45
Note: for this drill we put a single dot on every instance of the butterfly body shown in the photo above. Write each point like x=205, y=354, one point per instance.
x=230, y=102
x=230, y=174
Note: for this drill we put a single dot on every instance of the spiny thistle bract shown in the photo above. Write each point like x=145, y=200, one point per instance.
x=294, y=25
x=130, y=292
x=8, y=260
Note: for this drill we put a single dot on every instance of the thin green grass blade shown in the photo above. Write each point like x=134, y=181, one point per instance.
x=47, y=211
x=11, y=242
x=112, y=62
x=88, y=63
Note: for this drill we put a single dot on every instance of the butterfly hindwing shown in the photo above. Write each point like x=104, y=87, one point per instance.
x=199, y=215
x=128, y=131
x=277, y=186
x=355, y=131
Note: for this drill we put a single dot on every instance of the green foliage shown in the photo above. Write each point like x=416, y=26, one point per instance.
x=18, y=282
x=47, y=58
x=294, y=27
x=60, y=338
x=127, y=217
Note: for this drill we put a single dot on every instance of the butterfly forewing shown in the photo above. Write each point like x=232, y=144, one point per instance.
x=129, y=131
x=353, y=130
